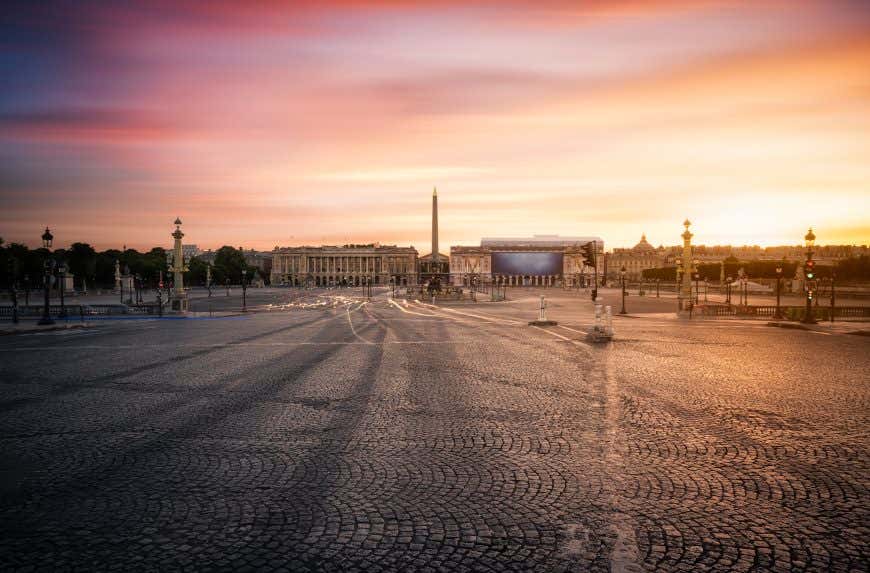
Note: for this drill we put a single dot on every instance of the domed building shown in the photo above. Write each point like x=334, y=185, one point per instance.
x=639, y=257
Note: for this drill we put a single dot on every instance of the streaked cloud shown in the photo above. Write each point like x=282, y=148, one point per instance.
x=405, y=174
x=333, y=120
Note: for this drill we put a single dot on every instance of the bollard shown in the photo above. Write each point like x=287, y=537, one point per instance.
x=602, y=330
x=542, y=316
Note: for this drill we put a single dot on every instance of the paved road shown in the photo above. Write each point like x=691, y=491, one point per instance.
x=332, y=433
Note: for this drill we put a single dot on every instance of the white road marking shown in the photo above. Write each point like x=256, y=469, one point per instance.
x=565, y=338
x=480, y=316
x=406, y=311
x=350, y=321
x=163, y=347
x=572, y=329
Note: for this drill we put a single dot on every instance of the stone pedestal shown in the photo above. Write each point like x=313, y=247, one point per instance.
x=178, y=303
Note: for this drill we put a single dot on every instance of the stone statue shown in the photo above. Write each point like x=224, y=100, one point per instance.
x=797, y=285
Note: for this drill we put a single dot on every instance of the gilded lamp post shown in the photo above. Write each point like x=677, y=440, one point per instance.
x=685, y=296
x=810, y=274
x=179, y=298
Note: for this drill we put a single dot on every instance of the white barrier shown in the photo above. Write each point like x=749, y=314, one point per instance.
x=602, y=330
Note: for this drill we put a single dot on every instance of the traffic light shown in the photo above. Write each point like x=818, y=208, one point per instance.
x=810, y=294
x=810, y=269
x=589, y=253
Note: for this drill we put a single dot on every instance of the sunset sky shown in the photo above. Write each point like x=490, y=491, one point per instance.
x=330, y=122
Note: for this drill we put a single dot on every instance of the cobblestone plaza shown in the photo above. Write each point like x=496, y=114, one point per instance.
x=328, y=432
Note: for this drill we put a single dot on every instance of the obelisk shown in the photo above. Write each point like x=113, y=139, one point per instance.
x=435, y=257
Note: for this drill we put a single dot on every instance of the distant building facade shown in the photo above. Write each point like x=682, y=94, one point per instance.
x=540, y=260
x=207, y=256
x=347, y=265
x=189, y=251
x=637, y=259
x=261, y=260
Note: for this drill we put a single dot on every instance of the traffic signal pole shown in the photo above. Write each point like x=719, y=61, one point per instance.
x=810, y=274
x=590, y=255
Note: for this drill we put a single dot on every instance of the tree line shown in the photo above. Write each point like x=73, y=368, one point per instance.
x=93, y=269
x=850, y=269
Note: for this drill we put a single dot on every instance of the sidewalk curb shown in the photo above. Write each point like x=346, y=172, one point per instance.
x=9, y=332
x=792, y=325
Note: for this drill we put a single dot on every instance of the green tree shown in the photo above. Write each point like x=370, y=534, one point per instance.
x=105, y=268
x=228, y=264
x=665, y=274
x=854, y=268
x=82, y=261
x=197, y=272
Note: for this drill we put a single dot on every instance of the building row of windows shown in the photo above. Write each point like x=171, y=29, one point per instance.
x=343, y=264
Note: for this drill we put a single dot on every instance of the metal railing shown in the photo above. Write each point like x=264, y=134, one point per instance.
x=789, y=312
x=74, y=311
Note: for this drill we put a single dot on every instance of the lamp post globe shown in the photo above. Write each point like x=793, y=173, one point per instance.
x=47, y=239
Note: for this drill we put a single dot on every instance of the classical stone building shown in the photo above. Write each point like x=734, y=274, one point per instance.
x=261, y=260
x=635, y=260
x=350, y=265
x=541, y=260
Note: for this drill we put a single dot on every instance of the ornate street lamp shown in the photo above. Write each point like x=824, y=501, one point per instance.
x=729, y=280
x=622, y=278
x=137, y=282
x=61, y=271
x=778, y=314
x=810, y=239
x=695, y=266
x=160, y=295
x=48, y=264
x=244, y=290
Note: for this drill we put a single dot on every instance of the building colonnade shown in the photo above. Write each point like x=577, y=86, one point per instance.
x=309, y=267
x=511, y=280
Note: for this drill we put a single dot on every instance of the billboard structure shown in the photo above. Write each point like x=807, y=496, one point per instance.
x=531, y=263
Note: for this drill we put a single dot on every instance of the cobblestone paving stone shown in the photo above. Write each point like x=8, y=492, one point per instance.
x=368, y=437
